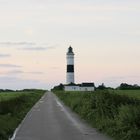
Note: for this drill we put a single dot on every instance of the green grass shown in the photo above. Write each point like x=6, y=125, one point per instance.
x=130, y=93
x=9, y=95
x=13, y=108
x=114, y=114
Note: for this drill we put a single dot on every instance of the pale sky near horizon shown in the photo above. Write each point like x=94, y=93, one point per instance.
x=35, y=36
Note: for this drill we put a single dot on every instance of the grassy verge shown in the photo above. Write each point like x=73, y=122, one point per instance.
x=13, y=108
x=115, y=115
x=130, y=93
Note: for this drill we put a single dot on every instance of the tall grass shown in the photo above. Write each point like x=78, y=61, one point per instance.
x=130, y=93
x=115, y=115
x=13, y=109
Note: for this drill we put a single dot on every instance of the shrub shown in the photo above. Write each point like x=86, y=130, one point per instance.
x=128, y=122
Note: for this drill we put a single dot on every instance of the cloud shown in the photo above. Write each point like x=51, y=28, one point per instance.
x=9, y=66
x=15, y=72
x=18, y=83
x=35, y=48
x=101, y=8
x=29, y=46
x=124, y=77
x=54, y=68
x=38, y=48
x=35, y=72
x=16, y=43
x=4, y=55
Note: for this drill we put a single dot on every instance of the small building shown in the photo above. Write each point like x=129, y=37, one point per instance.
x=80, y=87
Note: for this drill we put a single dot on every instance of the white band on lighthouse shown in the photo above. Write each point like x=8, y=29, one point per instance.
x=70, y=77
x=70, y=59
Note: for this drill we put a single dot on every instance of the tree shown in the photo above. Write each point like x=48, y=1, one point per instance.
x=125, y=86
x=102, y=86
x=59, y=87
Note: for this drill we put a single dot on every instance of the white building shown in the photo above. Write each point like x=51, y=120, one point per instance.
x=80, y=87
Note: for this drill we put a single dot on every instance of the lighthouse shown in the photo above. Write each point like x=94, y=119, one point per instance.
x=70, y=66
x=71, y=85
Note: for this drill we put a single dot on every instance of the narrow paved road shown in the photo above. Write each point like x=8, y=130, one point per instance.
x=49, y=119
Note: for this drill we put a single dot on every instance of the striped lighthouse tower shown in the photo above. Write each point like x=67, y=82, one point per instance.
x=70, y=66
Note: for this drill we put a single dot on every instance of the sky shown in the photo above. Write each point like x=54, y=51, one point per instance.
x=35, y=36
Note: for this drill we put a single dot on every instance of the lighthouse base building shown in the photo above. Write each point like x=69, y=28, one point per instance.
x=71, y=86
x=80, y=87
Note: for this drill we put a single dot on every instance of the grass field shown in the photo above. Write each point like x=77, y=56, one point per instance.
x=13, y=108
x=9, y=95
x=130, y=93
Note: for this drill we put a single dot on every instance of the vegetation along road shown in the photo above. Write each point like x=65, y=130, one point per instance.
x=14, y=105
x=49, y=119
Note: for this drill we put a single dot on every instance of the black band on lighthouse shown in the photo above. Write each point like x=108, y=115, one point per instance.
x=70, y=68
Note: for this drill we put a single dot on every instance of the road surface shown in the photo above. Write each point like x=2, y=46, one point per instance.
x=49, y=119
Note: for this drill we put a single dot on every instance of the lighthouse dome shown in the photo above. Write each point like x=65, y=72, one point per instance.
x=70, y=50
